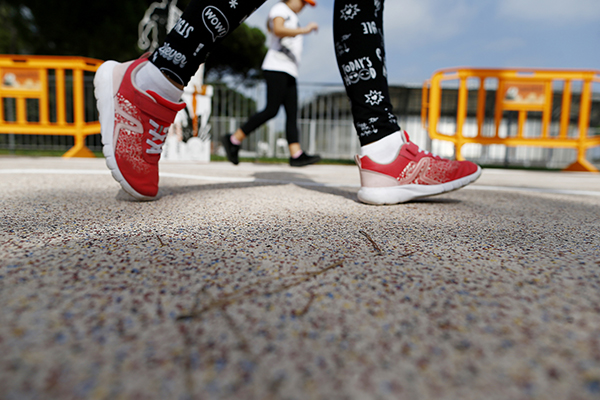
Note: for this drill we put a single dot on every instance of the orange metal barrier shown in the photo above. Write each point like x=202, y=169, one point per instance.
x=520, y=90
x=26, y=77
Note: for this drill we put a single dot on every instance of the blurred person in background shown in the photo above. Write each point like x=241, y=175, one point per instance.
x=280, y=69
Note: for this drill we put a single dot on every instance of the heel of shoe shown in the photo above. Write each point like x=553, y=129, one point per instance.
x=105, y=97
x=103, y=91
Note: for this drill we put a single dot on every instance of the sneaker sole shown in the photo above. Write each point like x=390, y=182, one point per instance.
x=304, y=164
x=103, y=91
x=404, y=193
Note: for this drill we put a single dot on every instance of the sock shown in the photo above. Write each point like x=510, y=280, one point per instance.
x=149, y=77
x=234, y=140
x=297, y=154
x=384, y=150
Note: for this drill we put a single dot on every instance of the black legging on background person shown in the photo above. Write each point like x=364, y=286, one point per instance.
x=281, y=90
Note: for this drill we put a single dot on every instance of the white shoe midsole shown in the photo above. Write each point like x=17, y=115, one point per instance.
x=103, y=90
x=404, y=193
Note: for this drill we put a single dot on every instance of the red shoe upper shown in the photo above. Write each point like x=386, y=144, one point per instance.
x=414, y=166
x=142, y=121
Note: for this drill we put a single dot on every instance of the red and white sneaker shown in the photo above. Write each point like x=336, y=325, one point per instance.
x=413, y=174
x=134, y=126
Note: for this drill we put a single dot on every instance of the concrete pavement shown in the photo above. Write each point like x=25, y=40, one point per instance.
x=268, y=282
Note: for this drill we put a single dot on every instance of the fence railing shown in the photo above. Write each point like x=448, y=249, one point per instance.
x=325, y=121
x=26, y=83
x=523, y=92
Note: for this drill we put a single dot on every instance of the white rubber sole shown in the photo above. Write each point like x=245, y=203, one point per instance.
x=103, y=91
x=404, y=193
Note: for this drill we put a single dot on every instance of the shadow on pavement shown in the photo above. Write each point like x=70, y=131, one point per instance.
x=279, y=178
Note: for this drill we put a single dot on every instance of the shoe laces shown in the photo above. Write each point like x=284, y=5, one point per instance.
x=159, y=134
x=425, y=152
x=429, y=153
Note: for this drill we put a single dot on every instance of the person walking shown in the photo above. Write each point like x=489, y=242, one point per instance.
x=138, y=101
x=280, y=69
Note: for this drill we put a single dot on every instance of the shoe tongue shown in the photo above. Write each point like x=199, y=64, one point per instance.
x=160, y=110
x=405, y=137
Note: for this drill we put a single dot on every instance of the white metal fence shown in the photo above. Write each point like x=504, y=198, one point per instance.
x=326, y=128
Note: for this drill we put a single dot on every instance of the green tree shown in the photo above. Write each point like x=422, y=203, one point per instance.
x=16, y=29
x=104, y=29
x=108, y=29
x=239, y=55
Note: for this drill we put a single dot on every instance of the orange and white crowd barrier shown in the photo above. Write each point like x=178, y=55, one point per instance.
x=27, y=77
x=522, y=91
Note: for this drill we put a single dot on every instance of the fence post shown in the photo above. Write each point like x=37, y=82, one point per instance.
x=79, y=149
x=312, y=136
x=582, y=164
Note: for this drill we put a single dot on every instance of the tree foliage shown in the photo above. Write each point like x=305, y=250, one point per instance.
x=108, y=29
x=240, y=55
x=104, y=29
x=16, y=29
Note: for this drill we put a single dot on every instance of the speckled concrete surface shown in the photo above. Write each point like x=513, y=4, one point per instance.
x=237, y=284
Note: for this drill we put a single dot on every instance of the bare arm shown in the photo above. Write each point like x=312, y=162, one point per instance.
x=280, y=30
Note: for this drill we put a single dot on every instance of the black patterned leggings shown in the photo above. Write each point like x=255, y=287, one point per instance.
x=359, y=47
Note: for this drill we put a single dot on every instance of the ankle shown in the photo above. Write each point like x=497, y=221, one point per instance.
x=235, y=141
x=297, y=154
x=384, y=150
x=149, y=77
